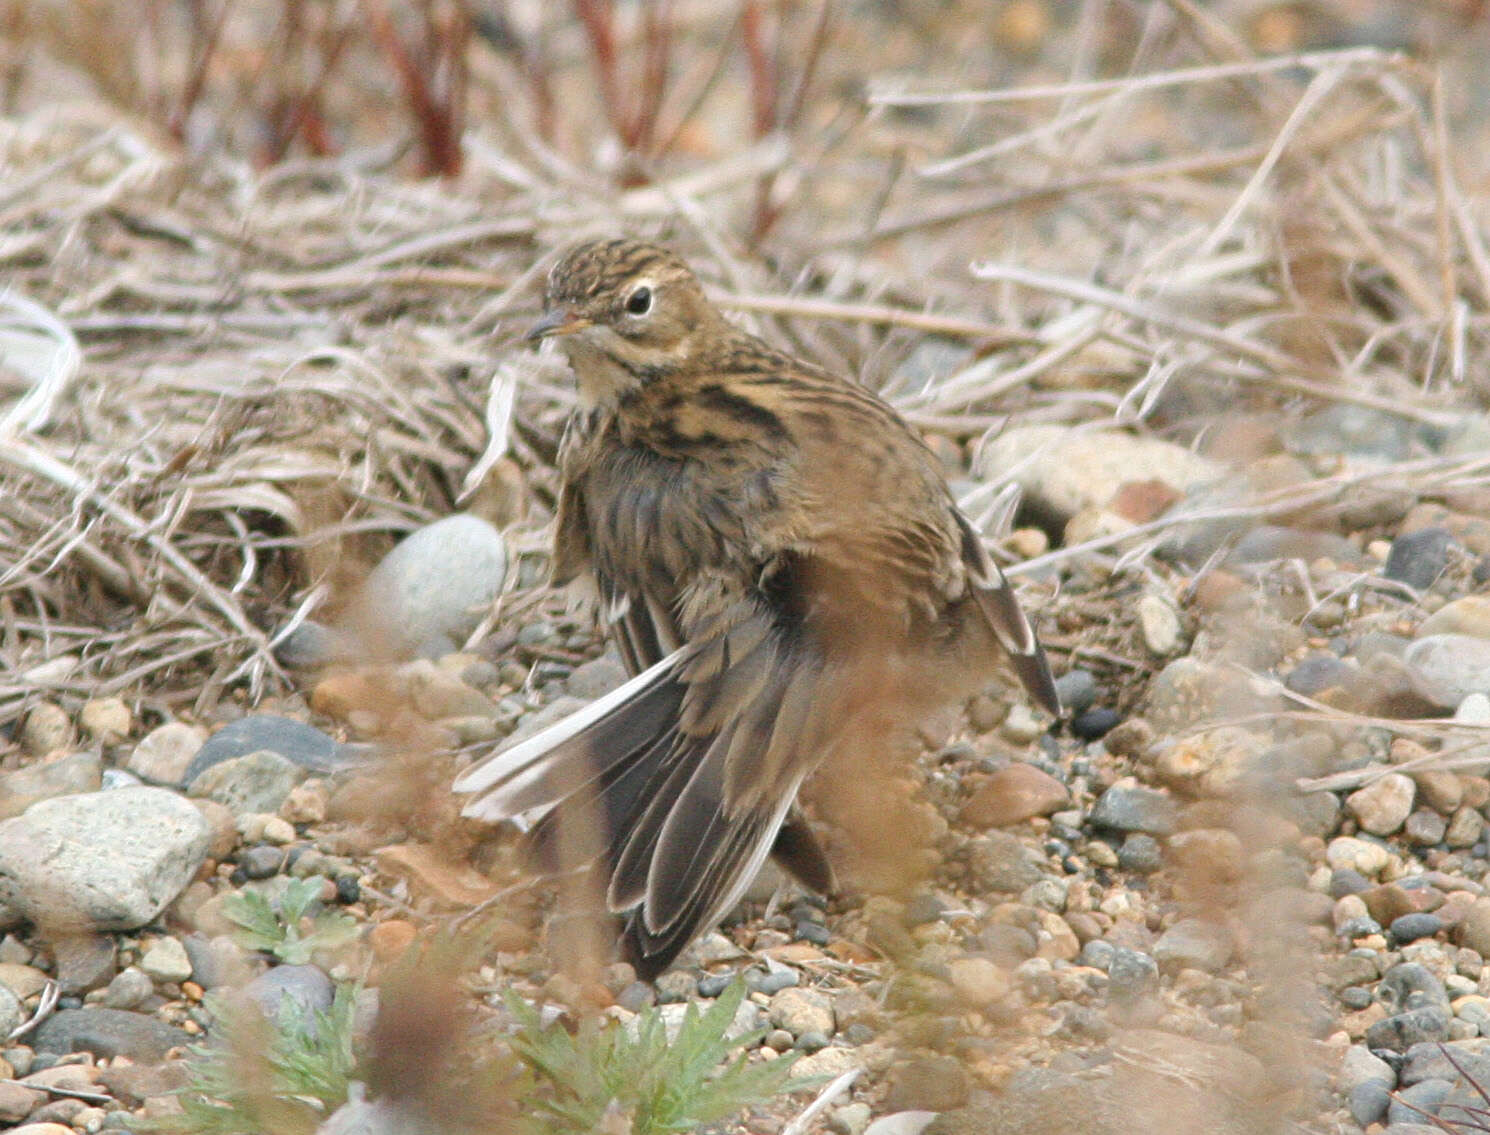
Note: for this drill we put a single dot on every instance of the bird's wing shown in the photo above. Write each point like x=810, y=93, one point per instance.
x=654, y=780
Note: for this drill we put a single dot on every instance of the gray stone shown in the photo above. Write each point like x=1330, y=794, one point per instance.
x=1140, y=854
x=1317, y=673
x=1130, y=807
x=1402, y=1031
x=165, y=959
x=11, y=1013
x=297, y=742
x=129, y=988
x=1411, y=1103
x=256, y=783
x=438, y=582
x=800, y=1011
x=1435, y=1061
x=1448, y=668
x=164, y=754
x=1193, y=943
x=1418, y=558
x=596, y=677
x=1131, y=974
x=311, y=644
x=1411, y=927
x=108, y=1033
x=1077, y=689
x=1355, y=431
x=67, y=774
x=305, y=987
x=84, y=962
x=1368, y=1102
x=108, y=860
x=1411, y=985
x=999, y=862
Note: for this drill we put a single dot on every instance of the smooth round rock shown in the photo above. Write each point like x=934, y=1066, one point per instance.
x=306, y=986
x=1077, y=689
x=438, y=582
x=164, y=754
x=1447, y=668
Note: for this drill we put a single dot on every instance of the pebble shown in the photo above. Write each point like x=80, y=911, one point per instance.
x=1193, y=943
x=1020, y=726
x=436, y=584
x=1077, y=689
x=1132, y=975
x=1382, y=806
x=1366, y=858
x=1012, y=795
x=902, y=1123
x=1474, y=710
x=1159, y=623
x=64, y=774
x=1411, y=927
x=46, y=730
x=165, y=753
x=257, y=782
x=1130, y=807
x=261, y=861
x=850, y=1119
x=1412, y=1102
x=106, y=721
x=1095, y=723
x=979, y=981
x=1140, y=854
x=119, y=856
x=305, y=986
x=108, y=1033
x=128, y=989
x=295, y=741
x=1447, y=668
x=800, y=1011
x=1419, y=558
x=84, y=962
x=165, y=960
x=1469, y=615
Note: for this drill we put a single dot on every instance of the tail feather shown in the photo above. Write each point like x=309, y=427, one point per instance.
x=565, y=757
x=1007, y=620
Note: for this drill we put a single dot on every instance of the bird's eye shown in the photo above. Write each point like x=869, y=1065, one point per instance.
x=639, y=302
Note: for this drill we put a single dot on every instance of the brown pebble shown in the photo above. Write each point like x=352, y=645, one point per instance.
x=1013, y=794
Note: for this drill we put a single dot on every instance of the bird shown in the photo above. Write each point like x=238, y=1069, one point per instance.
x=787, y=579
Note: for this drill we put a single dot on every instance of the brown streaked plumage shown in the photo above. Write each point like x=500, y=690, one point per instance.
x=785, y=571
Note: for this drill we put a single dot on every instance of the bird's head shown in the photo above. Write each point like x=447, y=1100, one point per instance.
x=626, y=313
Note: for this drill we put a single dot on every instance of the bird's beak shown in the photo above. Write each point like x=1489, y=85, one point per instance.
x=556, y=322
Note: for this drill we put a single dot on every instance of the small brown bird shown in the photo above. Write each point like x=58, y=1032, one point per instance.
x=787, y=578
